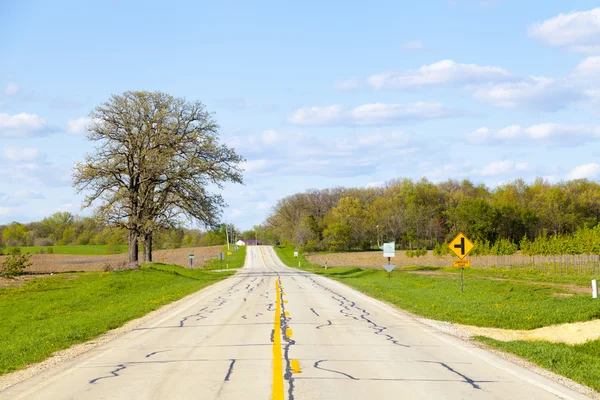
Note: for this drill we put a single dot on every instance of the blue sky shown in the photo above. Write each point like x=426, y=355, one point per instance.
x=313, y=95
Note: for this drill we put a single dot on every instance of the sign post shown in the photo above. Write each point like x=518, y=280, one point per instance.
x=461, y=247
x=221, y=257
x=389, y=268
x=389, y=251
x=191, y=259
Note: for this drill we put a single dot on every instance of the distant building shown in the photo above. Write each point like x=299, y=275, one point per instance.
x=251, y=242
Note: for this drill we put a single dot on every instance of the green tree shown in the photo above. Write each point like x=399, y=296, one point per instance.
x=155, y=158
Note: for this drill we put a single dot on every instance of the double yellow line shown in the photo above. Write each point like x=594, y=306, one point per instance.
x=277, y=386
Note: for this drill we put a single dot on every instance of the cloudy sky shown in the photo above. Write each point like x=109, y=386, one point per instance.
x=314, y=94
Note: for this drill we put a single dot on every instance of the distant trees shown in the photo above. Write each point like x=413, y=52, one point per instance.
x=422, y=214
x=154, y=159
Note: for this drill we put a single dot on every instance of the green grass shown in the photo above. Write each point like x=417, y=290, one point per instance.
x=236, y=260
x=50, y=314
x=580, y=362
x=89, y=250
x=485, y=302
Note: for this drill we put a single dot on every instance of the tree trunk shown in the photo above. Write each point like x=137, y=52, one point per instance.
x=133, y=247
x=148, y=247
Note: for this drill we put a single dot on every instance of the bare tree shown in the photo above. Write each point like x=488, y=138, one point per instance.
x=155, y=157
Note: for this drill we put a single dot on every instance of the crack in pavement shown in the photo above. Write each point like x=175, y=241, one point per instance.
x=348, y=305
x=114, y=373
x=316, y=365
x=230, y=371
x=314, y=312
x=156, y=352
x=327, y=324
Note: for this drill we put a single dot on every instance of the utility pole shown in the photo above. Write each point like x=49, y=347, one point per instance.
x=227, y=234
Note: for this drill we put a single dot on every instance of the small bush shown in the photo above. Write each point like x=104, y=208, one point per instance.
x=14, y=265
x=50, y=250
x=42, y=251
x=410, y=253
x=43, y=242
x=13, y=251
x=113, y=248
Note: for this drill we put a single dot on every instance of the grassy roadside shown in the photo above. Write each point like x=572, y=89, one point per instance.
x=485, y=302
x=50, y=314
x=580, y=362
x=235, y=260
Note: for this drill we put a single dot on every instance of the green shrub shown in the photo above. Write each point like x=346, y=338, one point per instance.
x=113, y=248
x=15, y=264
x=441, y=249
x=13, y=251
x=50, y=250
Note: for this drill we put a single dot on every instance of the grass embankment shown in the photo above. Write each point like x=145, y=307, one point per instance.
x=235, y=260
x=88, y=250
x=523, y=304
x=50, y=314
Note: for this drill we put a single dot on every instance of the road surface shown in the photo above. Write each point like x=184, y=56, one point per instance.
x=274, y=332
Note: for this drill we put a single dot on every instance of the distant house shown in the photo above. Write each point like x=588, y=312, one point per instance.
x=240, y=243
x=251, y=242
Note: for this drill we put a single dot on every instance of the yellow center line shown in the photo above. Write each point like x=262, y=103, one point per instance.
x=277, y=387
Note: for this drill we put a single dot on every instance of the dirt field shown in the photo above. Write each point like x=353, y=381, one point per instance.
x=45, y=263
x=551, y=264
x=375, y=259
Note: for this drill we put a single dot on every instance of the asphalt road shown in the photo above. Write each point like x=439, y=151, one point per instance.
x=274, y=332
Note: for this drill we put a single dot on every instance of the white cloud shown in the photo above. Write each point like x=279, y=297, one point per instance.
x=440, y=73
x=532, y=93
x=23, y=125
x=347, y=84
x=371, y=114
x=78, y=126
x=256, y=165
x=296, y=153
x=11, y=89
x=550, y=134
x=235, y=213
x=578, y=31
x=263, y=205
x=586, y=70
x=4, y=210
x=502, y=168
x=27, y=195
x=413, y=45
x=585, y=171
x=21, y=154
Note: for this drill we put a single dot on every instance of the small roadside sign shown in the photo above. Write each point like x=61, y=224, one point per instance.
x=389, y=249
x=191, y=256
x=389, y=268
x=461, y=263
x=229, y=253
x=221, y=257
x=461, y=246
x=296, y=254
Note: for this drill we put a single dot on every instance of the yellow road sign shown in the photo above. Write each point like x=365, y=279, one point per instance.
x=461, y=246
x=461, y=263
x=229, y=253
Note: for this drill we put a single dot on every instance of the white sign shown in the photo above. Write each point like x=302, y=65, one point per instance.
x=296, y=254
x=389, y=249
x=389, y=268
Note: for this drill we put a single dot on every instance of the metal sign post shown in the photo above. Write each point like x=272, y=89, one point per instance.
x=461, y=246
x=221, y=257
x=389, y=268
x=191, y=259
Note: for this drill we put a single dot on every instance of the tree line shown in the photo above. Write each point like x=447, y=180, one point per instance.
x=421, y=214
x=64, y=228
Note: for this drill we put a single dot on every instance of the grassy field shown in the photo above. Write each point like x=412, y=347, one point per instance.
x=50, y=314
x=502, y=298
x=89, y=250
x=235, y=260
